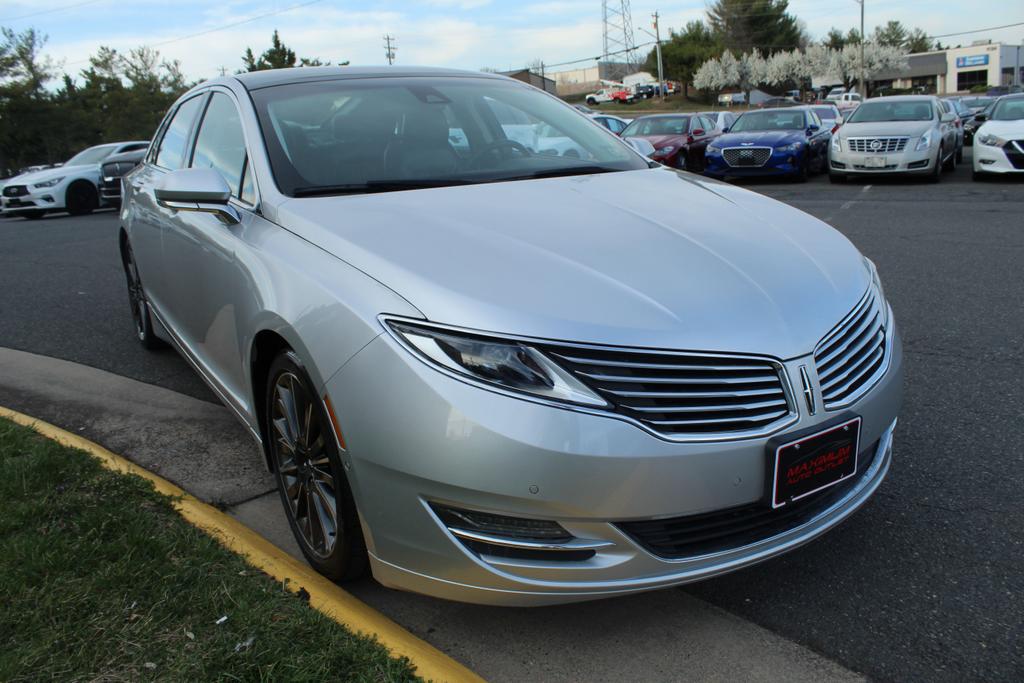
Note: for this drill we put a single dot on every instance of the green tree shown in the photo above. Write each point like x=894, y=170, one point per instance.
x=918, y=41
x=25, y=107
x=836, y=40
x=894, y=33
x=745, y=25
x=684, y=52
x=277, y=56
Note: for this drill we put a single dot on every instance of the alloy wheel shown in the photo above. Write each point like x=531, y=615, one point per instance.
x=136, y=297
x=303, y=464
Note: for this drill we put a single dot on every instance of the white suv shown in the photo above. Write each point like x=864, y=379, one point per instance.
x=72, y=186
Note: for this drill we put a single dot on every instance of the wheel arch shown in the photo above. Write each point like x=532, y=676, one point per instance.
x=266, y=345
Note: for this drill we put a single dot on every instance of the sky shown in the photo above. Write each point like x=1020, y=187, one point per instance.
x=471, y=34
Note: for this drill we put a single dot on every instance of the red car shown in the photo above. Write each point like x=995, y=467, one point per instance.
x=679, y=139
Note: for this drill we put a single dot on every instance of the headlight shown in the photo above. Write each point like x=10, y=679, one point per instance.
x=48, y=183
x=794, y=147
x=507, y=364
x=925, y=142
x=664, y=151
x=837, y=144
x=991, y=140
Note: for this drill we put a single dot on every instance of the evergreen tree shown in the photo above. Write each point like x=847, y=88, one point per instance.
x=684, y=52
x=765, y=25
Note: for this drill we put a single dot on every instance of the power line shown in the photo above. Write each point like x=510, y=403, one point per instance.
x=50, y=11
x=978, y=30
x=222, y=28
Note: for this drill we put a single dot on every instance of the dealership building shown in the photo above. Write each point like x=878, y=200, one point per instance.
x=957, y=70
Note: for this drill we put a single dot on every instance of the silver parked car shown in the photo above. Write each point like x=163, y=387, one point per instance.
x=903, y=134
x=497, y=375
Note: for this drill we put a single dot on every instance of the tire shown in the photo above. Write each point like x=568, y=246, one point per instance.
x=137, y=302
x=802, y=175
x=309, y=473
x=936, y=174
x=81, y=198
x=592, y=102
x=34, y=215
x=960, y=155
x=978, y=176
x=837, y=178
x=950, y=164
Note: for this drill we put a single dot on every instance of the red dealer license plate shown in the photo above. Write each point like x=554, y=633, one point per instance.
x=815, y=462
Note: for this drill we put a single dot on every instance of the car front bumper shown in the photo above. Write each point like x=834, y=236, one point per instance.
x=417, y=437
x=989, y=159
x=907, y=161
x=45, y=199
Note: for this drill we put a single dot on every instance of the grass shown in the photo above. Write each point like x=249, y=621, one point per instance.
x=100, y=579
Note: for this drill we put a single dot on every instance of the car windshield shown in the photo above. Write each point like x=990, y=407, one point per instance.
x=1010, y=109
x=658, y=125
x=826, y=113
x=93, y=155
x=379, y=135
x=873, y=112
x=769, y=120
x=977, y=102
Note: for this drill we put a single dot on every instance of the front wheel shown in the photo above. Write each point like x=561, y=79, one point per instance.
x=81, y=198
x=310, y=478
x=950, y=164
x=960, y=156
x=137, y=301
x=936, y=174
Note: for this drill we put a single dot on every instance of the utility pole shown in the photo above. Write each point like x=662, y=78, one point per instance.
x=863, y=76
x=223, y=71
x=389, y=48
x=657, y=47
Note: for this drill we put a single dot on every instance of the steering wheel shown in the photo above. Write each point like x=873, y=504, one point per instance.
x=499, y=145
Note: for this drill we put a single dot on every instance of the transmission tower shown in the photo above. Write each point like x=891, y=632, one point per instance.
x=619, y=43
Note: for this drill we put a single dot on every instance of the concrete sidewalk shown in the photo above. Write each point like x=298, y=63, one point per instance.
x=661, y=636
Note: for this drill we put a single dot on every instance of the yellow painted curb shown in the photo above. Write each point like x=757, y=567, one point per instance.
x=324, y=595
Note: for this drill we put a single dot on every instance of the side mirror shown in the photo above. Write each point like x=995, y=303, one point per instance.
x=642, y=146
x=725, y=130
x=840, y=121
x=979, y=117
x=947, y=117
x=811, y=129
x=197, y=189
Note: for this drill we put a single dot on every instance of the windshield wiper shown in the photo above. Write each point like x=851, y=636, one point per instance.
x=376, y=186
x=567, y=171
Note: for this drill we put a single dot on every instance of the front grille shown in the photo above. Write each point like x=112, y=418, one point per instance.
x=712, y=532
x=878, y=145
x=1014, y=150
x=682, y=394
x=15, y=190
x=747, y=156
x=851, y=358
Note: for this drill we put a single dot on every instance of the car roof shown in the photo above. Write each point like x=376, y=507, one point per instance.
x=903, y=98
x=265, y=79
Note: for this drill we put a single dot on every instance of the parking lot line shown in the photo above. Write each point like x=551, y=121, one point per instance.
x=324, y=596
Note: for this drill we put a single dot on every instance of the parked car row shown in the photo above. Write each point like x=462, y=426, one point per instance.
x=75, y=185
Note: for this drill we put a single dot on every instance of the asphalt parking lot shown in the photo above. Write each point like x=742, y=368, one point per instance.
x=926, y=582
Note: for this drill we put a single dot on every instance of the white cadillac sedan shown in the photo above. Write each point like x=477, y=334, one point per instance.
x=493, y=374
x=999, y=142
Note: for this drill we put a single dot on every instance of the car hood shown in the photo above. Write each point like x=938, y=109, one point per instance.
x=646, y=258
x=765, y=138
x=660, y=141
x=1011, y=130
x=912, y=129
x=51, y=173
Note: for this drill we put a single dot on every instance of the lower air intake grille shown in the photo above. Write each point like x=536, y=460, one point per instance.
x=695, y=535
x=852, y=357
x=681, y=394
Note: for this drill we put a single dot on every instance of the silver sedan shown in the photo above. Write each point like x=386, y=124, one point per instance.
x=912, y=134
x=492, y=374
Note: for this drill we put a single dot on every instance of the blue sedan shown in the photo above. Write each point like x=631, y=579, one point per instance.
x=771, y=142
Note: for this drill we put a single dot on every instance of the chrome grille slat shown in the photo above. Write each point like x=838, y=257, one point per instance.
x=851, y=357
x=621, y=379
x=886, y=145
x=652, y=366
x=711, y=407
x=858, y=341
x=681, y=394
